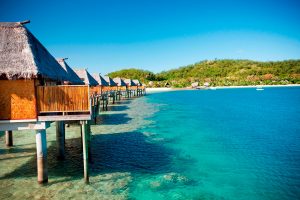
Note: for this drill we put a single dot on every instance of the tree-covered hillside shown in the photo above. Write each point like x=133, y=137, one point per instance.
x=221, y=73
x=143, y=75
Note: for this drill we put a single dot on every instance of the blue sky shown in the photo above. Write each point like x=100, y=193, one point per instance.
x=157, y=35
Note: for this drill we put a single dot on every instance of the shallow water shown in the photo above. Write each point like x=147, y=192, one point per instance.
x=223, y=144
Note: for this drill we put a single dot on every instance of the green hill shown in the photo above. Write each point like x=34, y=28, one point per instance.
x=221, y=73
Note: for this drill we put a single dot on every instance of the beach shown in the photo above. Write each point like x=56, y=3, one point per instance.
x=168, y=89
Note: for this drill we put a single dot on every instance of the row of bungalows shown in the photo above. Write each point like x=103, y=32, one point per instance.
x=36, y=89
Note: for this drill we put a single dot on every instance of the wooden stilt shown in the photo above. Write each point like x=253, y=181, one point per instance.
x=60, y=139
x=103, y=103
x=99, y=105
x=106, y=105
x=41, y=151
x=8, y=138
x=94, y=113
x=89, y=138
x=85, y=142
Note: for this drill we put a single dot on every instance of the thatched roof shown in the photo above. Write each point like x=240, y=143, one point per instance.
x=137, y=82
x=23, y=56
x=119, y=82
x=72, y=76
x=101, y=81
x=110, y=81
x=129, y=82
x=86, y=77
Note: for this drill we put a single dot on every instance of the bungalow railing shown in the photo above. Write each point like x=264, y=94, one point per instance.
x=63, y=98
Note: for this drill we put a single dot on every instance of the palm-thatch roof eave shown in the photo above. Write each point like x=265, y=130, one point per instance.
x=110, y=81
x=137, y=82
x=23, y=56
x=119, y=82
x=72, y=76
x=86, y=77
x=101, y=81
x=129, y=82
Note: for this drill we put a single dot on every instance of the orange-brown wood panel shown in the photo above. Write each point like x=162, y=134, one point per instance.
x=123, y=88
x=107, y=88
x=17, y=100
x=63, y=98
x=113, y=88
x=95, y=90
x=133, y=87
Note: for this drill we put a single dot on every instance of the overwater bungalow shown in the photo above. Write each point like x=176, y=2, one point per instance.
x=102, y=83
x=32, y=94
x=103, y=91
x=121, y=90
x=88, y=79
x=131, y=87
x=113, y=87
x=140, y=87
x=73, y=78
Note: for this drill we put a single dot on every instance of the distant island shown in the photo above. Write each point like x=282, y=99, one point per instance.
x=225, y=72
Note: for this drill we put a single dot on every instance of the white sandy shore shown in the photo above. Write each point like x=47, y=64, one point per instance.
x=154, y=90
x=255, y=86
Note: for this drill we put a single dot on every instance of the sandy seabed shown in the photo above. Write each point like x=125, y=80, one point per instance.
x=18, y=164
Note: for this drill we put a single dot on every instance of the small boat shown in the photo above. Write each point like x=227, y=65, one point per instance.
x=259, y=88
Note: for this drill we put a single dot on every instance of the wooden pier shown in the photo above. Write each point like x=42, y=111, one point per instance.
x=50, y=91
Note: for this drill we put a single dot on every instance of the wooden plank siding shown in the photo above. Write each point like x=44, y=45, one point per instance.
x=108, y=88
x=17, y=100
x=94, y=90
x=63, y=98
x=132, y=87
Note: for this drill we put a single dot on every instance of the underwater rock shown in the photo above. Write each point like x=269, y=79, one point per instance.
x=148, y=134
x=175, y=178
x=155, y=184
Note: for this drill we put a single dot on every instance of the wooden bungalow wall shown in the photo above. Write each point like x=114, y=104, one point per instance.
x=17, y=100
x=122, y=88
x=107, y=88
x=95, y=90
x=132, y=87
x=65, y=98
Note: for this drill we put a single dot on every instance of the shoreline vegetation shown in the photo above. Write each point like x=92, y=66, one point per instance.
x=219, y=73
x=167, y=89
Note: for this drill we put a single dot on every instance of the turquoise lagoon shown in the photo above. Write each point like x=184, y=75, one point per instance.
x=205, y=144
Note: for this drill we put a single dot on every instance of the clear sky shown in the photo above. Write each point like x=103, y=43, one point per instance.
x=157, y=35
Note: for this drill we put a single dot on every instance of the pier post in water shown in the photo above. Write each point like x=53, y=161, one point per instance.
x=41, y=151
x=106, y=104
x=103, y=103
x=85, y=138
x=8, y=138
x=60, y=139
x=114, y=98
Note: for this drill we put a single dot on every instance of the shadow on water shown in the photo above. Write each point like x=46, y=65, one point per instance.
x=122, y=152
x=128, y=152
x=117, y=108
x=113, y=119
x=72, y=166
x=124, y=101
x=16, y=149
